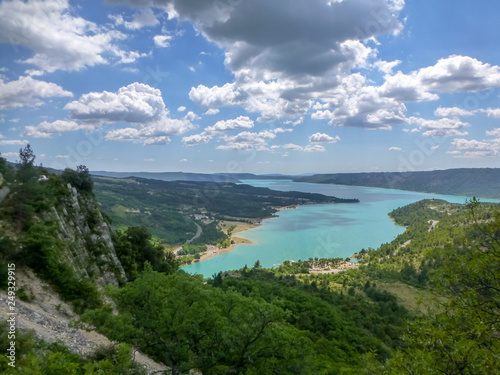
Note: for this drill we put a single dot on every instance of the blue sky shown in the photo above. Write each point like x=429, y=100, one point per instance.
x=261, y=86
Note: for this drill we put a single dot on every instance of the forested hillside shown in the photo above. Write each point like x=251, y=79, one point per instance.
x=285, y=320
x=168, y=208
x=480, y=182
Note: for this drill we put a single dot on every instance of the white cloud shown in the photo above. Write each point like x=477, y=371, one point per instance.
x=444, y=127
x=493, y=112
x=493, y=133
x=395, y=148
x=197, y=139
x=216, y=96
x=26, y=91
x=138, y=104
x=130, y=70
x=162, y=41
x=125, y=134
x=247, y=141
x=135, y=103
x=191, y=116
x=476, y=149
x=314, y=148
x=406, y=88
x=13, y=142
x=458, y=74
x=386, y=66
x=212, y=111
x=452, y=111
x=241, y=122
x=143, y=18
x=293, y=147
x=284, y=61
x=181, y=108
x=149, y=160
x=183, y=161
x=358, y=105
x=452, y=74
x=58, y=39
x=9, y=154
x=323, y=138
x=46, y=129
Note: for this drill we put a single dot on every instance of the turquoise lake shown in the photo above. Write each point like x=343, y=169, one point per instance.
x=323, y=231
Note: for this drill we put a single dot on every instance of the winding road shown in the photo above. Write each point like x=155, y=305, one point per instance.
x=199, y=231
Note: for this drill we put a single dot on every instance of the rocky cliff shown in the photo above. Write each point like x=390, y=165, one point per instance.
x=87, y=235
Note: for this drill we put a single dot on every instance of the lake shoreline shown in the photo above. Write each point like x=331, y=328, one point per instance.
x=213, y=251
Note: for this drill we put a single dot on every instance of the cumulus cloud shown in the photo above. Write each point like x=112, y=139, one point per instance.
x=293, y=147
x=493, y=112
x=493, y=133
x=323, y=138
x=452, y=111
x=13, y=142
x=444, y=127
x=406, y=88
x=59, y=40
x=450, y=75
x=314, y=148
x=241, y=122
x=285, y=59
x=46, y=129
x=197, y=139
x=358, y=105
x=458, y=74
x=137, y=104
x=162, y=41
x=9, y=154
x=476, y=149
x=395, y=148
x=248, y=140
x=26, y=91
x=212, y=111
x=143, y=18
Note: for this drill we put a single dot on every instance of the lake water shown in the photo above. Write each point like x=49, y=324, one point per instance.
x=323, y=230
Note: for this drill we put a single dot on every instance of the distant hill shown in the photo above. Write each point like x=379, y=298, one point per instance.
x=478, y=182
x=168, y=208
x=170, y=176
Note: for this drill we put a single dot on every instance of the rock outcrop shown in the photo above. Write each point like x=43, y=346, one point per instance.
x=88, y=238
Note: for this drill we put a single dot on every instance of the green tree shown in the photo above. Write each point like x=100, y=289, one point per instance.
x=461, y=334
x=79, y=179
x=135, y=246
x=26, y=155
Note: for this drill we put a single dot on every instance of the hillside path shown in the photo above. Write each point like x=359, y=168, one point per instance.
x=199, y=231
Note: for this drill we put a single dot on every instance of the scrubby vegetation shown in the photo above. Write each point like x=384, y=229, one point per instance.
x=283, y=320
x=36, y=357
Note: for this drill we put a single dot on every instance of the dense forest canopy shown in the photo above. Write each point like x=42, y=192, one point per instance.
x=260, y=321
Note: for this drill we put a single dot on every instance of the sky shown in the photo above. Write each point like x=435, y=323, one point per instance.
x=259, y=86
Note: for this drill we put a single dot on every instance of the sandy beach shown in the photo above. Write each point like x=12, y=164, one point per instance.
x=213, y=251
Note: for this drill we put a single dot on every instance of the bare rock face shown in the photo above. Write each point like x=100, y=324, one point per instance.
x=50, y=319
x=89, y=247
